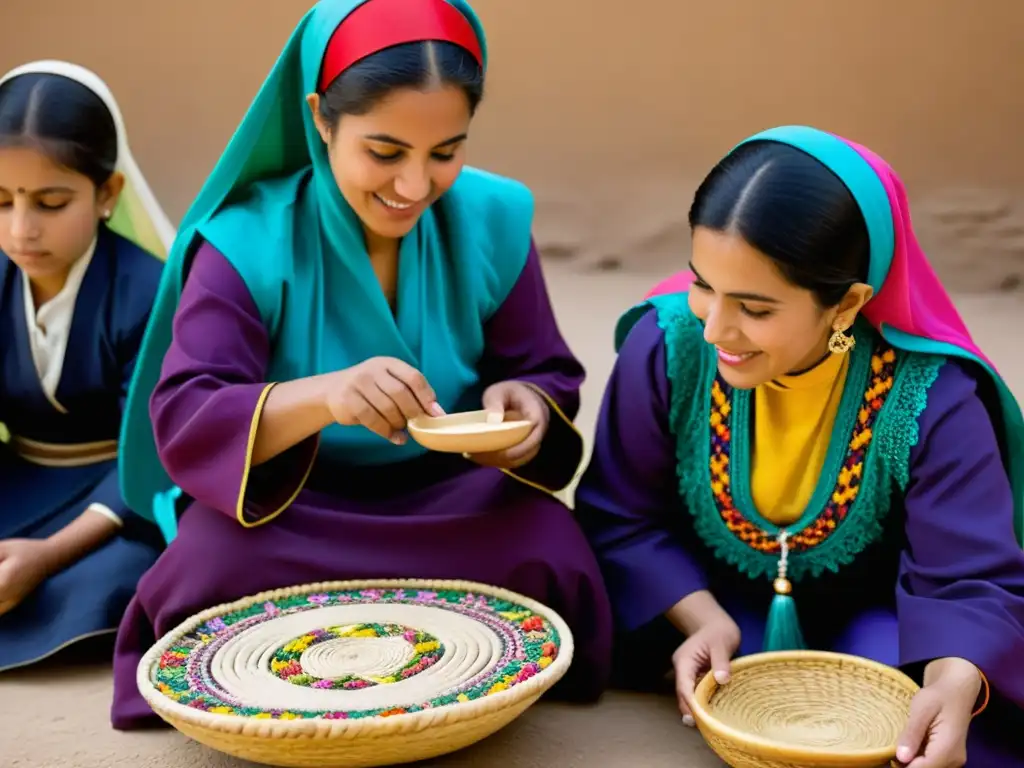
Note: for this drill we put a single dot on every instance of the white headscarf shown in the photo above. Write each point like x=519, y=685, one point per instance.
x=138, y=216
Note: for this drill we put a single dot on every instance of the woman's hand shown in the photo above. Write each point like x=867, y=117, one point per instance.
x=381, y=394
x=708, y=649
x=24, y=565
x=512, y=401
x=936, y=732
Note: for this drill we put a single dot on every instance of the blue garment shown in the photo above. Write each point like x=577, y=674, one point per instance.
x=111, y=312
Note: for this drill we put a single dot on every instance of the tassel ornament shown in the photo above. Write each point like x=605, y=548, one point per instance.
x=782, y=631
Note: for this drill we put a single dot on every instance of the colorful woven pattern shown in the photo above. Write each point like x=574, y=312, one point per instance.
x=356, y=654
x=426, y=650
x=883, y=365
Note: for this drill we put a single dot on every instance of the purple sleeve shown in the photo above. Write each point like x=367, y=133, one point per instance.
x=523, y=342
x=212, y=388
x=961, y=585
x=630, y=487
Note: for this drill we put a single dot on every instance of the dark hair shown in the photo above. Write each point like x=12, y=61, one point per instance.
x=794, y=210
x=359, y=88
x=62, y=118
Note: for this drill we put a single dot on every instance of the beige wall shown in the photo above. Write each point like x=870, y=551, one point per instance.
x=613, y=111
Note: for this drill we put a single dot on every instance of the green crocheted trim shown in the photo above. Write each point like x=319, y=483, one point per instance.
x=886, y=469
x=692, y=370
x=690, y=367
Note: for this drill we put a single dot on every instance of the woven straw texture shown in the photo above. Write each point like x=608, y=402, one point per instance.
x=805, y=709
x=356, y=673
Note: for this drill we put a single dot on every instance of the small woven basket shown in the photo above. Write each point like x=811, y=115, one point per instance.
x=804, y=709
x=356, y=674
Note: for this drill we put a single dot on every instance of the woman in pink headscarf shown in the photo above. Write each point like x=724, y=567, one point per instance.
x=805, y=410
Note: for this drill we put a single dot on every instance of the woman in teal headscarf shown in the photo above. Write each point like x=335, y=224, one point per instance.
x=804, y=418
x=340, y=272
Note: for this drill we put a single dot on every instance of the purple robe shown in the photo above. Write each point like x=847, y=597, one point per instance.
x=946, y=579
x=438, y=516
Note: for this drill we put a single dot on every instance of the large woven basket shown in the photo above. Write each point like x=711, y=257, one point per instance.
x=804, y=709
x=356, y=674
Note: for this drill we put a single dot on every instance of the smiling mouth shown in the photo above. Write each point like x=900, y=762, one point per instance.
x=393, y=204
x=732, y=358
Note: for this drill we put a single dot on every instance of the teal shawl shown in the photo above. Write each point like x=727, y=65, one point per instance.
x=272, y=207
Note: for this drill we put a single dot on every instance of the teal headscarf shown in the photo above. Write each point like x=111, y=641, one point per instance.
x=272, y=207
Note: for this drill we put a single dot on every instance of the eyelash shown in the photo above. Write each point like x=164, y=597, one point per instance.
x=441, y=158
x=41, y=206
x=754, y=315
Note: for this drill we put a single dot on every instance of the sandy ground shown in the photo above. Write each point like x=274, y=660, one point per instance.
x=56, y=716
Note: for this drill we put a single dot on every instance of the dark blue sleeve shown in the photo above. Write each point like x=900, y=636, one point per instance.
x=135, y=288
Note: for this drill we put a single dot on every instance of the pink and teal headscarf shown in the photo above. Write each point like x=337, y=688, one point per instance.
x=910, y=308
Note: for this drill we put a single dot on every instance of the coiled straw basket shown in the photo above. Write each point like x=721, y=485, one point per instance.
x=804, y=709
x=356, y=673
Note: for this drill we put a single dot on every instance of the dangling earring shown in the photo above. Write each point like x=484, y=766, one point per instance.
x=839, y=343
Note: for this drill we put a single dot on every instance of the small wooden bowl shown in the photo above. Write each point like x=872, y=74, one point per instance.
x=804, y=709
x=467, y=432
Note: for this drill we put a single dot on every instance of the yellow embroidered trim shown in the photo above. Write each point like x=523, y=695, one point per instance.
x=986, y=692
x=253, y=426
x=565, y=419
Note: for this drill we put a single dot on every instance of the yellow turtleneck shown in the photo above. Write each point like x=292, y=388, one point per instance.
x=793, y=422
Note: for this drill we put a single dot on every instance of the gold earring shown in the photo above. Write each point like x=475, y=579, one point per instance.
x=839, y=342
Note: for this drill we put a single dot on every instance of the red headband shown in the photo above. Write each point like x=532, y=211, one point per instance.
x=379, y=24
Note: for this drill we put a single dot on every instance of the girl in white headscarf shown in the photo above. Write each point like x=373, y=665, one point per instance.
x=82, y=244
